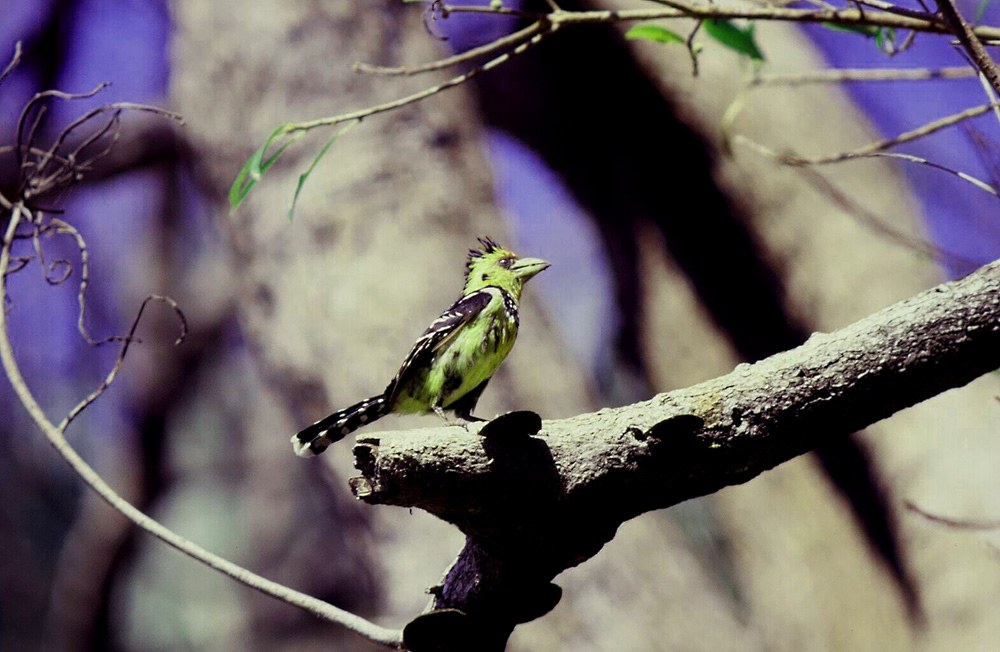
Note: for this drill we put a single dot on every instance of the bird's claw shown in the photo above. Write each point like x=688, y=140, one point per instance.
x=460, y=422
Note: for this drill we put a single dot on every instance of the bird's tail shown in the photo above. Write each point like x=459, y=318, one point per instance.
x=315, y=439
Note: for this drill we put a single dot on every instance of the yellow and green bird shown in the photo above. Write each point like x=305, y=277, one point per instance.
x=451, y=363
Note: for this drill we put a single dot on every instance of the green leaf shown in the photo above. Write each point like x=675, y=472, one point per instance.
x=871, y=31
x=735, y=38
x=654, y=33
x=312, y=166
x=257, y=166
x=885, y=37
x=885, y=40
x=981, y=9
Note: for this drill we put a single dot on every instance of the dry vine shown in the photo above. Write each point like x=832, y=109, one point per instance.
x=46, y=171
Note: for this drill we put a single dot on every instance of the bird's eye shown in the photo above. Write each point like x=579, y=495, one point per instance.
x=506, y=263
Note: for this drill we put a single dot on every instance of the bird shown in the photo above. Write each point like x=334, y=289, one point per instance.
x=451, y=363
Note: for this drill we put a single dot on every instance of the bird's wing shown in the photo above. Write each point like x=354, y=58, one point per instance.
x=441, y=331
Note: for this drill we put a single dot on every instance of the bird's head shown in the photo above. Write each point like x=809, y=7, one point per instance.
x=493, y=266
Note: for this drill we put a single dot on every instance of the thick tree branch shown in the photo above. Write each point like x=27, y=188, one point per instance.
x=536, y=505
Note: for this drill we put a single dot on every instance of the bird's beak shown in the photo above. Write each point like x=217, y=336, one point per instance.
x=525, y=268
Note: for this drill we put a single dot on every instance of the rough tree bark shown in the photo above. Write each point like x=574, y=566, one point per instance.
x=533, y=506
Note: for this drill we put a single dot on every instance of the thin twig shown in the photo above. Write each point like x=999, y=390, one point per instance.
x=878, y=225
x=445, y=10
x=386, y=637
x=838, y=75
x=860, y=5
x=979, y=183
x=116, y=107
x=112, y=122
x=548, y=23
x=46, y=268
x=967, y=37
x=19, y=263
x=16, y=59
x=35, y=178
x=427, y=92
x=983, y=81
x=877, y=146
x=955, y=523
x=861, y=213
x=28, y=164
x=431, y=16
x=81, y=244
x=920, y=22
x=888, y=7
x=982, y=148
x=494, y=46
x=990, y=95
x=40, y=97
x=910, y=39
x=126, y=341
x=691, y=48
x=37, y=151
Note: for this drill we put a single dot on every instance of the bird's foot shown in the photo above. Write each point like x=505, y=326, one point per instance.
x=463, y=421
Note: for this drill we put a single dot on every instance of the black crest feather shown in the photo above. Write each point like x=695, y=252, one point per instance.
x=488, y=246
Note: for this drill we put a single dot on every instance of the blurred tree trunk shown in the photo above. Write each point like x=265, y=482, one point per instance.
x=330, y=303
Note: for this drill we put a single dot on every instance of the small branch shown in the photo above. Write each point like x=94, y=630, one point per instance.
x=379, y=635
x=115, y=108
x=35, y=177
x=14, y=61
x=81, y=244
x=878, y=225
x=833, y=76
x=871, y=148
x=483, y=9
x=546, y=24
x=690, y=44
x=991, y=96
x=862, y=214
x=23, y=145
x=19, y=263
x=968, y=178
x=47, y=269
x=895, y=9
x=503, y=43
x=126, y=341
x=970, y=41
x=955, y=523
x=427, y=92
x=915, y=21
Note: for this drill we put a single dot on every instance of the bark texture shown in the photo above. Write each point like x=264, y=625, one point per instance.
x=533, y=506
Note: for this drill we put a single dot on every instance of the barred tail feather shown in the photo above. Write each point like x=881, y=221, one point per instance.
x=316, y=438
